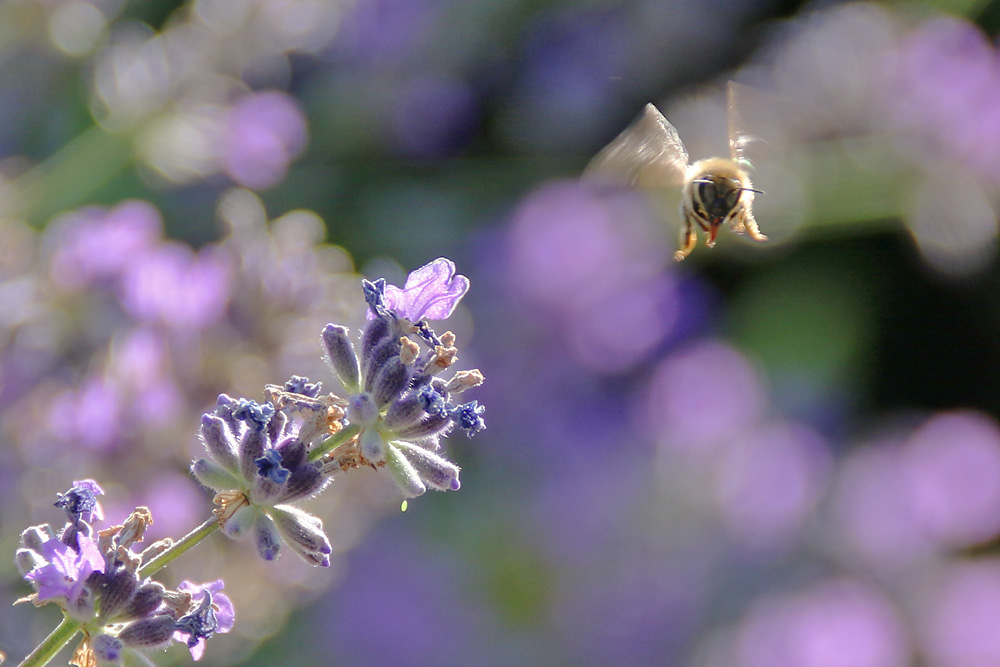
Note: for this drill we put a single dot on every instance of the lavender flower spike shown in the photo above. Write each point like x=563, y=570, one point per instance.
x=401, y=407
x=431, y=292
x=257, y=458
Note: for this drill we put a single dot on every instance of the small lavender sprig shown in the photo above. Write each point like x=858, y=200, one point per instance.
x=397, y=405
x=105, y=591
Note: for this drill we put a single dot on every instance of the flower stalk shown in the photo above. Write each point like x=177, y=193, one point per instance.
x=52, y=644
x=179, y=547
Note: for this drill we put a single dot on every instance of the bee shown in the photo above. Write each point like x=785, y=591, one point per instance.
x=649, y=154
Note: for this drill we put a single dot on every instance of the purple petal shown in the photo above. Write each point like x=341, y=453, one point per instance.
x=431, y=292
x=90, y=485
x=197, y=650
x=225, y=614
x=66, y=570
x=90, y=554
x=95, y=488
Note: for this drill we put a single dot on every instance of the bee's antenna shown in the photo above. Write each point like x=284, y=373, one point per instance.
x=760, y=192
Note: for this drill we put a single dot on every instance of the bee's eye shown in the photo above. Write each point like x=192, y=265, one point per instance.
x=732, y=197
x=706, y=191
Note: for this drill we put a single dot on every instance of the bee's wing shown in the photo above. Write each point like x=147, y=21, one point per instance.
x=647, y=153
x=745, y=109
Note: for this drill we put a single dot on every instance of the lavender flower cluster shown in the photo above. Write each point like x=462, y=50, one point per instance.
x=263, y=458
x=395, y=409
x=97, y=580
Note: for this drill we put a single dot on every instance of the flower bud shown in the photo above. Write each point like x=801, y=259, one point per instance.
x=225, y=409
x=217, y=436
x=303, y=532
x=34, y=537
x=251, y=449
x=372, y=446
x=267, y=539
x=391, y=378
x=404, y=412
x=362, y=410
x=240, y=523
x=372, y=362
x=116, y=590
x=213, y=475
x=406, y=476
x=434, y=470
x=292, y=452
x=145, y=601
x=380, y=330
x=106, y=648
x=27, y=560
x=426, y=428
x=340, y=354
x=303, y=482
x=148, y=632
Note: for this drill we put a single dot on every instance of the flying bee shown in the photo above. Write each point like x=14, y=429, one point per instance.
x=649, y=153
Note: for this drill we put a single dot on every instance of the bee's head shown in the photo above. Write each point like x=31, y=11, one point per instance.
x=717, y=189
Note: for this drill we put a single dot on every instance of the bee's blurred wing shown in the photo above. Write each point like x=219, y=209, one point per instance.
x=647, y=153
x=749, y=112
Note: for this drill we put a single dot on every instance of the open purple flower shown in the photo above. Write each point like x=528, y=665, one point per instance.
x=62, y=578
x=80, y=502
x=431, y=292
x=211, y=612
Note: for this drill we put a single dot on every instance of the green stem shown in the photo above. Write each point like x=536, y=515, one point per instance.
x=52, y=644
x=179, y=547
x=71, y=176
x=333, y=442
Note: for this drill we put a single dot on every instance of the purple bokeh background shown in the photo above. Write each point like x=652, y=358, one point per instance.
x=683, y=462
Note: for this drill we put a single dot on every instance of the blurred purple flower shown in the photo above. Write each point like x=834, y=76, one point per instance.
x=568, y=242
x=431, y=292
x=266, y=131
x=140, y=363
x=951, y=468
x=581, y=504
x=175, y=501
x=569, y=76
x=213, y=612
x=841, y=623
x=425, y=616
x=90, y=417
x=769, y=481
x=948, y=87
x=871, y=511
x=178, y=288
x=66, y=571
x=701, y=397
x=595, y=263
x=633, y=607
x=957, y=618
x=435, y=116
x=94, y=244
x=387, y=32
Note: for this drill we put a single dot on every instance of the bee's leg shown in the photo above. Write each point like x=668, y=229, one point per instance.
x=751, y=227
x=688, y=240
